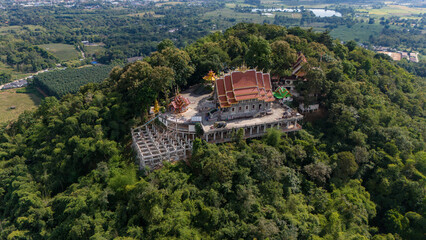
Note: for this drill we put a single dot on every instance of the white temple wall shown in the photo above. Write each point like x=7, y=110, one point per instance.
x=245, y=109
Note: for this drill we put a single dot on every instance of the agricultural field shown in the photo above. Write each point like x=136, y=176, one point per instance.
x=233, y=5
x=239, y=17
x=393, y=10
x=29, y=100
x=168, y=3
x=294, y=3
x=145, y=14
x=360, y=32
x=92, y=49
x=5, y=30
x=64, y=52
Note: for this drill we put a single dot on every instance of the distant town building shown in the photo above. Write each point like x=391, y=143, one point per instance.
x=398, y=56
x=15, y=84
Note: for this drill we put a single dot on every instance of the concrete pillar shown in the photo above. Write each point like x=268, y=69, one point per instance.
x=214, y=136
x=251, y=131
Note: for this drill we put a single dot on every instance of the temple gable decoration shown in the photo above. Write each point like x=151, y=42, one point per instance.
x=281, y=93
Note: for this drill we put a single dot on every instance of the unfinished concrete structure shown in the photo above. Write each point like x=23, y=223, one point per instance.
x=154, y=143
x=241, y=99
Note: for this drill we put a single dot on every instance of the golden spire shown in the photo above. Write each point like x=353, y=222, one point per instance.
x=210, y=77
x=156, y=107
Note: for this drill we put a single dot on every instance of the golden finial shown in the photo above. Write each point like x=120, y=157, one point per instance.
x=243, y=68
x=156, y=107
x=210, y=77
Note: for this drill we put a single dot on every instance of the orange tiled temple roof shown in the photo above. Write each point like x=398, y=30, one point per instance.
x=238, y=86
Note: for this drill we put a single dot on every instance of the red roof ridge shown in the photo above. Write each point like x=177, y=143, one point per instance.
x=245, y=87
x=232, y=84
x=257, y=83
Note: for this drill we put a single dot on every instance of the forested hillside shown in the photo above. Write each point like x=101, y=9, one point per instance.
x=24, y=57
x=356, y=171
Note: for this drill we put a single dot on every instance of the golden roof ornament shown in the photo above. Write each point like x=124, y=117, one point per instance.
x=156, y=107
x=210, y=77
x=243, y=68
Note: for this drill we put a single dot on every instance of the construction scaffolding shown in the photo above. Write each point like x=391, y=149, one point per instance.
x=154, y=144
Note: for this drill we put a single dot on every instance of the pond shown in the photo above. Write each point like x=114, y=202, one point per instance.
x=325, y=13
x=317, y=12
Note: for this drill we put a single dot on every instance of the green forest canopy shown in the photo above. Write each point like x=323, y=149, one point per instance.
x=67, y=172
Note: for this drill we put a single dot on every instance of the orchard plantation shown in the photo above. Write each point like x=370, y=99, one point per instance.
x=356, y=171
x=61, y=82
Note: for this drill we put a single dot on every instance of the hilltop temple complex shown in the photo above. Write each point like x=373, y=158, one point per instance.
x=299, y=71
x=240, y=100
